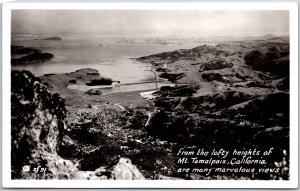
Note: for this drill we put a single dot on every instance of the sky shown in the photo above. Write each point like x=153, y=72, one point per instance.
x=150, y=22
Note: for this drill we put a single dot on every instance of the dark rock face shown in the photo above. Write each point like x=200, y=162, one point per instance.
x=37, y=122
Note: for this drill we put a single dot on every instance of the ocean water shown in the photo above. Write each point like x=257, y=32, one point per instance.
x=111, y=59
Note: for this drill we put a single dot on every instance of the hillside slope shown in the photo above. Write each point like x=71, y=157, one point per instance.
x=226, y=96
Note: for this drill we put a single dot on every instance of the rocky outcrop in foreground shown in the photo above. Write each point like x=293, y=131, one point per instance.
x=37, y=131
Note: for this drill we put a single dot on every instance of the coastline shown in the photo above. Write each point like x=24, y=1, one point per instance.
x=76, y=94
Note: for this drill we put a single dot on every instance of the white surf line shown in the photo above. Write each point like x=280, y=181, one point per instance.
x=148, y=95
x=148, y=120
x=118, y=104
x=150, y=114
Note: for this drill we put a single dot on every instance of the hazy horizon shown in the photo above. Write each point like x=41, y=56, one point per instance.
x=149, y=22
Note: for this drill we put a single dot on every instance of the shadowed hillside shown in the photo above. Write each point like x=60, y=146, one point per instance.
x=238, y=97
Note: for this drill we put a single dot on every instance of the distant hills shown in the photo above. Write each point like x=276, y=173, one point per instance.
x=225, y=96
x=234, y=62
x=199, y=40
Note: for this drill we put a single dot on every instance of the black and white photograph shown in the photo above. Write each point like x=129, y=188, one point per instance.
x=183, y=95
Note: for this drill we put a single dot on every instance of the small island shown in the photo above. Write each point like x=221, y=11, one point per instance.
x=25, y=55
x=21, y=50
x=53, y=38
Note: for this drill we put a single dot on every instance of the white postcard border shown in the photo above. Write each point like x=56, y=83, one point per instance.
x=6, y=107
